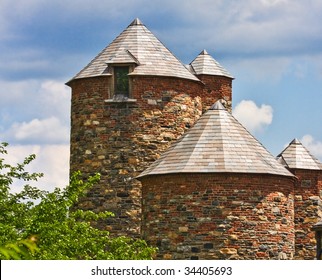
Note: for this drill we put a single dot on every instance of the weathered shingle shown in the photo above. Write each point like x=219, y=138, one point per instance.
x=217, y=143
x=205, y=64
x=137, y=45
x=296, y=156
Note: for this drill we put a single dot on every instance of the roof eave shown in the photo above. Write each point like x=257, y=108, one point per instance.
x=166, y=76
x=88, y=77
x=217, y=74
x=290, y=175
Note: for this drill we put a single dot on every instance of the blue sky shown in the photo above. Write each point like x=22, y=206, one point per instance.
x=273, y=48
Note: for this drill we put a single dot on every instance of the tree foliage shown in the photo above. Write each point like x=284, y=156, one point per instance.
x=38, y=224
x=22, y=249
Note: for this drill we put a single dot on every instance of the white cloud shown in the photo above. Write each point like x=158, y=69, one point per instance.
x=55, y=99
x=35, y=120
x=11, y=13
x=35, y=112
x=43, y=131
x=254, y=118
x=15, y=92
x=268, y=32
x=313, y=145
x=52, y=160
x=252, y=23
x=49, y=97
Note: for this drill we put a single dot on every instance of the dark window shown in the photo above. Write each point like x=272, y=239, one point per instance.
x=306, y=183
x=121, y=81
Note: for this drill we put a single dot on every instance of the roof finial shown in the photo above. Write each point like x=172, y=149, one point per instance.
x=295, y=141
x=217, y=106
x=137, y=21
x=204, y=52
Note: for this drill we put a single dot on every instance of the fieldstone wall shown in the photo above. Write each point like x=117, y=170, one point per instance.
x=219, y=216
x=308, y=211
x=120, y=138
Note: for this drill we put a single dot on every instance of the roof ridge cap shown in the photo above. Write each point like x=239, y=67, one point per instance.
x=136, y=21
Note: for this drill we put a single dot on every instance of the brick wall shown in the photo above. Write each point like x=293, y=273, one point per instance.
x=219, y=216
x=218, y=86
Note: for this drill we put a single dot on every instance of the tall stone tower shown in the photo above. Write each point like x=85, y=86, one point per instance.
x=128, y=105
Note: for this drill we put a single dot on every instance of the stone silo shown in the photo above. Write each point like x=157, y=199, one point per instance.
x=307, y=196
x=217, y=193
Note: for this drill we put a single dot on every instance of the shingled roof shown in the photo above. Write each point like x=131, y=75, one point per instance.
x=137, y=45
x=216, y=143
x=205, y=64
x=296, y=156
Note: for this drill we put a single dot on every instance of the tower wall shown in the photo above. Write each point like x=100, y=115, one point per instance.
x=308, y=211
x=120, y=138
x=219, y=216
x=218, y=86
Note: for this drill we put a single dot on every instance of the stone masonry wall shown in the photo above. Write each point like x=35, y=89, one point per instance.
x=218, y=86
x=308, y=211
x=120, y=139
x=219, y=216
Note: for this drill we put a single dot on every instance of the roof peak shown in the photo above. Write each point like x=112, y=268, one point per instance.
x=204, y=52
x=217, y=106
x=295, y=141
x=296, y=156
x=136, y=21
x=137, y=44
x=205, y=64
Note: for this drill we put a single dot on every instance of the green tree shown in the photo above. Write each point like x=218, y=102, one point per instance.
x=23, y=249
x=37, y=224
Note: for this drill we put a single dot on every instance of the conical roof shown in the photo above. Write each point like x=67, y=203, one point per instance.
x=205, y=64
x=137, y=45
x=216, y=143
x=296, y=156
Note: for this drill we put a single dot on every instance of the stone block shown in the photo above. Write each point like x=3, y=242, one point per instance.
x=310, y=220
x=228, y=251
x=183, y=229
x=233, y=237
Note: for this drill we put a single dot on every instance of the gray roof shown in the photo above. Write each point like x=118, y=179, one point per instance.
x=296, y=156
x=137, y=45
x=216, y=143
x=205, y=64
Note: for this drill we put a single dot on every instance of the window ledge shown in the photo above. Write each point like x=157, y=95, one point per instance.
x=120, y=100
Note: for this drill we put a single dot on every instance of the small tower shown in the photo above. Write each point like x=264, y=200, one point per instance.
x=217, y=193
x=307, y=195
x=128, y=105
x=217, y=80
